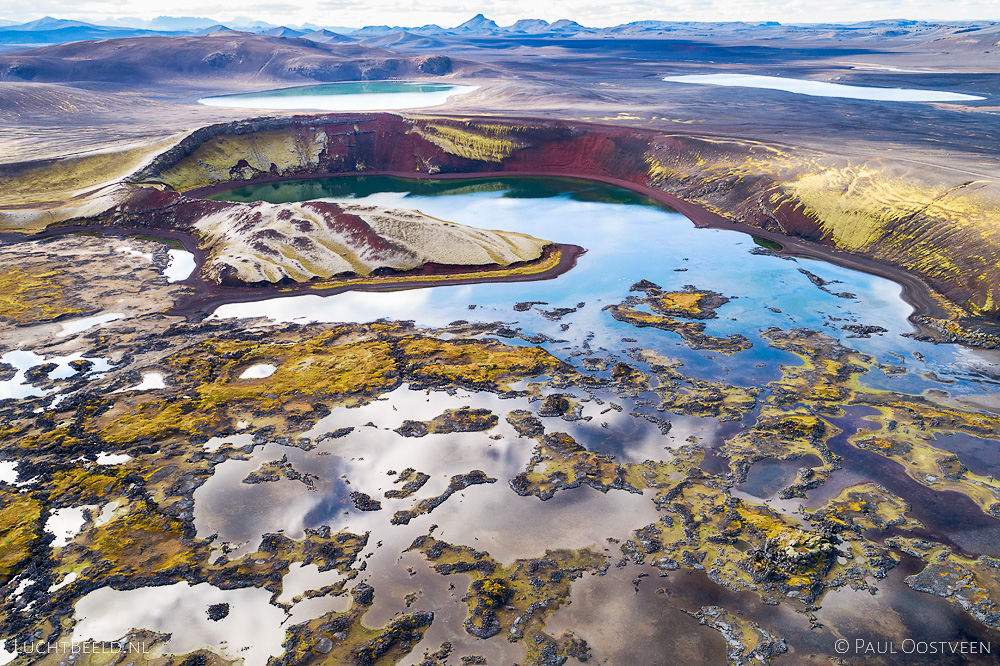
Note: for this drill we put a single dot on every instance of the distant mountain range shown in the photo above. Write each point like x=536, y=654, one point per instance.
x=226, y=55
x=48, y=30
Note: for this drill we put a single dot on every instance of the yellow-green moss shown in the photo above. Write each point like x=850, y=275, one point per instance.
x=475, y=362
x=80, y=485
x=19, y=528
x=141, y=543
x=475, y=142
x=212, y=161
x=59, y=179
x=33, y=297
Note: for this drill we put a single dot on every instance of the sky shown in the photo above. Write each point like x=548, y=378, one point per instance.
x=448, y=13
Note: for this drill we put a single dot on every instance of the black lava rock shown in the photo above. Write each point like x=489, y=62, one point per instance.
x=218, y=611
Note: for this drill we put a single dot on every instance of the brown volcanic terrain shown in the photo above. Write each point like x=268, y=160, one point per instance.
x=941, y=230
x=93, y=96
x=227, y=55
x=905, y=191
x=606, y=80
x=906, y=185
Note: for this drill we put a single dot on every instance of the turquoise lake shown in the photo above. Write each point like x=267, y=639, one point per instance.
x=628, y=238
x=347, y=96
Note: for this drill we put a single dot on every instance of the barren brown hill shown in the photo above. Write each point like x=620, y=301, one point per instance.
x=222, y=55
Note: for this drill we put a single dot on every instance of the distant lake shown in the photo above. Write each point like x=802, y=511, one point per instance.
x=822, y=89
x=347, y=96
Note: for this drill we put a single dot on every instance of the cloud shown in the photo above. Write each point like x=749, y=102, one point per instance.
x=276, y=7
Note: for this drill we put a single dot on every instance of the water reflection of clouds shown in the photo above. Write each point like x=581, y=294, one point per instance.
x=360, y=461
x=252, y=629
x=18, y=387
x=486, y=517
x=509, y=526
x=302, y=578
x=351, y=306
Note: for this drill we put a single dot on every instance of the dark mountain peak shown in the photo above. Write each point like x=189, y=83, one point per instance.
x=530, y=25
x=218, y=27
x=282, y=31
x=50, y=23
x=565, y=25
x=325, y=36
x=478, y=23
x=429, y=29
x=369, y=30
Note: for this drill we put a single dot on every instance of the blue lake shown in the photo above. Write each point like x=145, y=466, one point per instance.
x=347, y=96
x=628, y=238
